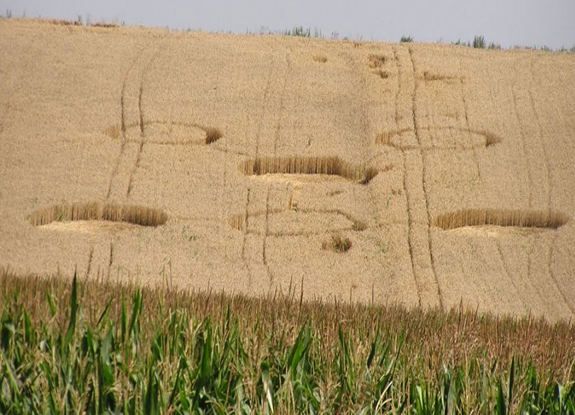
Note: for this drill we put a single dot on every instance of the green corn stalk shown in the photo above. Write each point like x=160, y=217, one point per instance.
x=500, y=407
x=152, y=394
x=179, y=363
x=73, y=311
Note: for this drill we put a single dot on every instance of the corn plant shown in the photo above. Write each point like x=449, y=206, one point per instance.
x=136, y=352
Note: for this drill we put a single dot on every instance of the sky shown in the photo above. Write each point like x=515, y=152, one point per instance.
x=506, y=22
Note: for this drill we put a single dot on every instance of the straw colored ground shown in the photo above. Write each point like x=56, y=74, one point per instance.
x=414, y=174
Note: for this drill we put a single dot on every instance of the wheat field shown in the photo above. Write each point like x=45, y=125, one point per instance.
x=243, y=163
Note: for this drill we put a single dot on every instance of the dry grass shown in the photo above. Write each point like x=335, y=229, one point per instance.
x=309, y=165
x=376, y=61
x=500, y=217
x=359, y=225
x=337, y=243
x=428, y=76
x=114, y=131
x=62, y=22
x=335, y=192
x=320, y=58
x=490, y=138
x=137, y=215
x=385, y=137
x=238, y=222
x=432, y=337
x=382, y=74
x=105, y=25
x=212, y=134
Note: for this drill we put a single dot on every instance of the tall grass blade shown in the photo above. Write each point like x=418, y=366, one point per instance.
x=268, y=386
x=511, y=380
x=73, y=310
x=151, y=395
x=299, y=349
x=500, y=408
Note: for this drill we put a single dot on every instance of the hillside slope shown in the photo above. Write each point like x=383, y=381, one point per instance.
x=261, y=158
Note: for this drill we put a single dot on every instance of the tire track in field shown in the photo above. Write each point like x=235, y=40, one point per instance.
x=339, y=212
x=526, y=154
x=265, y=236
x=360, y=94
x=111, y=259
x=277, y=134
x=245, y=235
x=90, y=258
x=408, y=197
x=554, y=277
x=523, y=139
x=423, y=179
x=398, y=66
x=495, y=241
x=115, y=185
x=540, y=135
x=142, y=141
x=508, y=274
x=551, y=249
x=410, y=223
x=571, y=306
x=548, y=180
x=529, y=265
x=122, y=125
x=466, y=113
x=257, y=150
x=224, y=196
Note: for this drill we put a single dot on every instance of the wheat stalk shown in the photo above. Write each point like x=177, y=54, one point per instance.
x=333, y=166
x=138, y=215
x=500, y=217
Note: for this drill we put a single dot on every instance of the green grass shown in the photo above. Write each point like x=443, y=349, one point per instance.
x=300, y=31
x=479, y=42
x=87, y=347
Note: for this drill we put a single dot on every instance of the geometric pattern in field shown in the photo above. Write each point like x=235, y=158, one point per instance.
x=449, y=170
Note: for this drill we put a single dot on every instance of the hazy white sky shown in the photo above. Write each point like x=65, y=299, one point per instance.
x=507, y=22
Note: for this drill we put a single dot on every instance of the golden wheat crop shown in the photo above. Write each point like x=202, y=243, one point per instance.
x=500, y=217
x=309, y=165
x=260, y=148
x=137, y=215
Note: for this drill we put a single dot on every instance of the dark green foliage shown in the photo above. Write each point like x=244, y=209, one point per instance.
x=300, y=31
x=479, y=42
